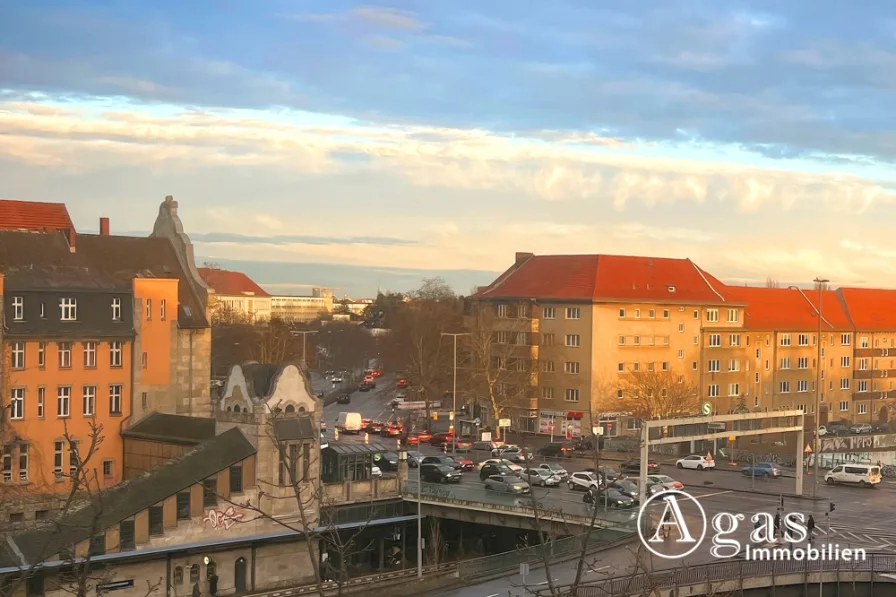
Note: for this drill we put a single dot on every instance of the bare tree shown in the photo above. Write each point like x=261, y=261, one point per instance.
x=434, y=289
x=657, y=394
x=772, y=283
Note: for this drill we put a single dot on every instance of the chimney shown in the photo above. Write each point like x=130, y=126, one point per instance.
x=521, y=257
x=104, y=226
x=72, y=237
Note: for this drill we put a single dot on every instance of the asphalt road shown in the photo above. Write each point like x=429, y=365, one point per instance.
x=375, y=404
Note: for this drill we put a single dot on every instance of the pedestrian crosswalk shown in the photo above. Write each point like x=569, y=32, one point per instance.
x=865, y=536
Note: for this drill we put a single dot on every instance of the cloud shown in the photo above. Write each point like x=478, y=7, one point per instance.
x=243, y=239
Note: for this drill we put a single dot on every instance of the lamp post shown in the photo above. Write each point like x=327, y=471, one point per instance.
x=454, y=392
x=304, y=334
x=819, y=284
x=419, y=522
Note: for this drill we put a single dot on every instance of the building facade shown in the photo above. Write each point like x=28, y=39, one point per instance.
x=237, y=294
x=302, y=309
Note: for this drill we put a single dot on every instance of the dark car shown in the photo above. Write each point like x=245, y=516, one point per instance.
x=634, y=466
x=344, y=399
x=387, y=461
x=364, y=387
x=441, y=438
x=626, y=487
x=557, y=450
x=607, y=473
x=414, y=459
x=611, y=497
x=439, y=473
x=444, y=460
x=490, y=469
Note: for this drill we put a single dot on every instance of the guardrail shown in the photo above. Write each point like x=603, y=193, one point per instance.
x=728, y=571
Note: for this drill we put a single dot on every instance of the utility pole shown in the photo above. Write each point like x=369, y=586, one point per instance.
x=304, y=334
x=454, y=393
x=819, y=284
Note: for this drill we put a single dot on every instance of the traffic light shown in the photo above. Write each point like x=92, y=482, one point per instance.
x=832, y=507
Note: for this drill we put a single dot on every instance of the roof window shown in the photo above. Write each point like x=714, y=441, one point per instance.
x=670, y=288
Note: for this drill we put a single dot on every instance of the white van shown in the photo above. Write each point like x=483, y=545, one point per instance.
x=349, y=422
x=866, y=475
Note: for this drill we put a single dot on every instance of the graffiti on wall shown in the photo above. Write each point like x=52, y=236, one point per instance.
x=223, y=519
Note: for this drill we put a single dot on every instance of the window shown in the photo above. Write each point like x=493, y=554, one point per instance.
x=144, y=360
x=63, y=400
x=802, y=385
x=845, y=339
x=41, y=397
x=7, y=467
x=156, y=520
x=712, y=315
x=522, y=311
x=209, y=493
x=863, y=386
x=89, y=401
x=502, y=310
x=681, y=379
x=680, y=353
x=651, y=314
x=73, y=458
x=17, y=357
x=802, y=363
x=715, y=339
x=89, y=354
x=758, y=353
x=756, y=402
x=548, y=313
x=178, y=575
x=714, y=366
x=637, y=313
x=862, y=409
x=733, y=365
x=844, y=406
x=65, y=355
x=572, y=395
x=785, y=339
x=784, y=387
x=573, y=340
x=651, y=366
x=766, y=364
x=681, y=328
x=236, y=478
x=620, y=395
x=41, y=354
x=622, y=313
x=163, y=310
x=115, y=400
x=844, y=383
x=573, y=313
x=571, y=367
x=148, y=309
x=713, y=390
x=547, y=366
x=863, y=342
x=69, y=309
x=107, y=468
x=733, y=388
x=694, y=365
x=620, y=367
x=665, y=313
x=143, y=399
x=126, y=535
x=547, y=393
x=844, y=362
x=115, y=354
x=756, y=378
x=803, y=340
x=57, y=459
x=696, y=314
x=621, y=340
x=696, y=340
x=194, y=574
x=636, y=366
x=183, y=505
x=23, y=463
x=862, y=364
x=116, y=309
x=18, y=308
x=734, y=340
x=546, y=339
x=665, y=366
x=732, y=315
x=17, y=403
x=785, y=363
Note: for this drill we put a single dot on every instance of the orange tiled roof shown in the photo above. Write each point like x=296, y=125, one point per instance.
x=230, y=283
x=870, y=308
x=34, y=216
x=607, y=277
x=788, y=308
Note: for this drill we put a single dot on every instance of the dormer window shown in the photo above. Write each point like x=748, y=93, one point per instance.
x=68, y=308
x=670, y=288
x=116, y=309
x=18, y=308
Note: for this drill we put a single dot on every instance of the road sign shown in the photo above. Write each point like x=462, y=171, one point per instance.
x=706, y=409
x=477, y=421
x=524, y=569
x=807, y=449
x=486, y=436
x=503, y=422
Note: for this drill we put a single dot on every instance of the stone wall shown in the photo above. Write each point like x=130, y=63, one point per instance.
x=192, y=372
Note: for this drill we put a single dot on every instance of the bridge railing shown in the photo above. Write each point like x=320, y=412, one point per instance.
x=728, y=571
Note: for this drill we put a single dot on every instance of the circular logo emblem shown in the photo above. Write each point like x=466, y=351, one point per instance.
x=674, y=526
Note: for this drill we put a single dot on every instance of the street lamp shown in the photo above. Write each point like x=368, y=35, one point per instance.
x=819, y=284
x=454, y=392
x=304, y=337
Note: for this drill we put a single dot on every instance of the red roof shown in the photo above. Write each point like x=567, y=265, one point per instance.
x=230, y=283
x=870, y=308
x=607, y=277
x=34, y=216
x=788, y=308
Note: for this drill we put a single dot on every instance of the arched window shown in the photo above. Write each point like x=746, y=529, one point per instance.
x=194, y=574
x=236, y=409
x=301, y=409
x=229, y=409
x=290, y=408
x=178, y=575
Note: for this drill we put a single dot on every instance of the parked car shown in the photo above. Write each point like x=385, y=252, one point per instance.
x=487, y=446
x=517, y=455
x=497, y=451
x=540, y=476
x=344, y=399
x=761, y=469
x=557, y=450
x=511, y=465
x=465, y=464
x=461, y=445
x=838, y=429
x=822, y=430
x=507, y=484
x=439, y=473
x=555, y=469
x=866, y=475
x=858, y=429
x=627, y=487
x=607, y=473
x=696, y=461
x=634, y=466
x=662, y=482
x=490, y=469
x=401, y=383
x=611, y=497
x=414, y=459
x=392, y=431
x=438, y=439
x=363, y=387
x=387, y=461
x=583, y=481
x=443, y=459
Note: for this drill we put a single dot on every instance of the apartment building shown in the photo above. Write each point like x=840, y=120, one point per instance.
x=302, y=309
x=237, y=293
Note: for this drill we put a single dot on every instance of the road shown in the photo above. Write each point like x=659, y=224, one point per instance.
x=375, y=404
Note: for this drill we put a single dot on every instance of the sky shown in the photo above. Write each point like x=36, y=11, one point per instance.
x=358, y=146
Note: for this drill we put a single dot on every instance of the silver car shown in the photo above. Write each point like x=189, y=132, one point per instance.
x=554, y=469
x=540, y=476
x=507, y=484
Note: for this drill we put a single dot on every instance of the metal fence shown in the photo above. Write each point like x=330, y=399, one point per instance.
x=727, y=571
